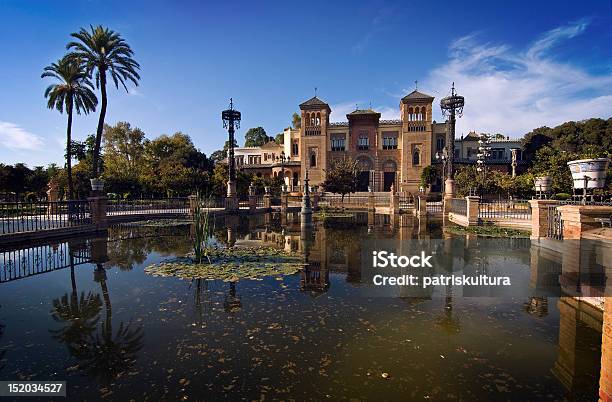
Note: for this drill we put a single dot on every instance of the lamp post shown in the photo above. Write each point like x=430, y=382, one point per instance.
x=452, y=106
x=484, y=152
x=443, y=157
x=231, y=120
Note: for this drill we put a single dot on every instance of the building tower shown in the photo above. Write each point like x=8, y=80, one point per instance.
x=416, y=112
x=313, y=139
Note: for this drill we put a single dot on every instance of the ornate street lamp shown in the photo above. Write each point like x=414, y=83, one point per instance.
x=484, y=152
x=231, y=121
x=452, y=107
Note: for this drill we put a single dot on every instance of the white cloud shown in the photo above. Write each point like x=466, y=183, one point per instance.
x=14, y=137
x=340, y=110
x=513, y=91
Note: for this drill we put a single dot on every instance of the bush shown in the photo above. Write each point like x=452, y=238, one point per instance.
x=562, y=196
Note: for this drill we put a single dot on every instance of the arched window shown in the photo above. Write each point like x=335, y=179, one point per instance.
x=313, y=159
x=318, y=122
x=410, y=112
x=307, y=116
x=423, y=113
x=416, y=158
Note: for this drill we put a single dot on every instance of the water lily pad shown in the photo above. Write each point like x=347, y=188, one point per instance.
x=231, y=264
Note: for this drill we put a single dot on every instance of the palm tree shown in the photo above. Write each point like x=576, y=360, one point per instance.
x=74, y=91
x=104, y=51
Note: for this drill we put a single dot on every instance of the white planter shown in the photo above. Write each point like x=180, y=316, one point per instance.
x=594, y=169
x=97, y=184
x=543, y=183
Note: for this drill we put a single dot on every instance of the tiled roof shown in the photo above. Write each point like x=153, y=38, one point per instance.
x=362, y=112
x=416, y=95
x=314, y=101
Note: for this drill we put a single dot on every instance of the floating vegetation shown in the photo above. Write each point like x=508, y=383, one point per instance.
x=157, y=223
x=231, y=264
x=332, y=214
x=488, y=231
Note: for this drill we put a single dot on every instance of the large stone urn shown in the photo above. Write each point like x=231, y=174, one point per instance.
x=543, y=184
x=589, y=172
x=97, y=184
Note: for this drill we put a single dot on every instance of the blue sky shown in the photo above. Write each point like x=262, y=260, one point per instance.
x=519, y=64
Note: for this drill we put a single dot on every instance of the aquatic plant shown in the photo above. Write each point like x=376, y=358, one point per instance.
x=231, y=264
x=201, y=217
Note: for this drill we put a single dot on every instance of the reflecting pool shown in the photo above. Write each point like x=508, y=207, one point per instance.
x=84, y=311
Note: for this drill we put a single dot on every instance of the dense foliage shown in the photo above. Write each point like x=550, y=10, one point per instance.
x=342, y=177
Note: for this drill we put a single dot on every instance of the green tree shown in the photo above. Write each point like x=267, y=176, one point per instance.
x=74, y=91
x=104, y=51
x=255, y=137
x=342, y=177
x=429, y=175
x=123, y=157
x=280, y=138
x=296, y=121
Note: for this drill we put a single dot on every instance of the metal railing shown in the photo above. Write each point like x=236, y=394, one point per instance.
x=459, y=206
x=212, y=202
x=335, y=200
x=18, y=217
x=148, y=206
x=434, y=206
x=407, y=201
x=555, y=223
x=505, y=209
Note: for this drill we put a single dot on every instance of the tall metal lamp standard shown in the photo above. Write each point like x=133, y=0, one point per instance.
x=452, y=107
x=231, y=121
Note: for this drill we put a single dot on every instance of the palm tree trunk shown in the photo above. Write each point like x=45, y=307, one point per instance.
x=68, y=153
x=96, y=154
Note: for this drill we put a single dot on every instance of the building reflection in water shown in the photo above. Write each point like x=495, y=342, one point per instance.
x=574, y=270
x=2, y=351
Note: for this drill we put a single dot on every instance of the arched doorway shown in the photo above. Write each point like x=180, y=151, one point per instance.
x=365, y=168
x=389, y=174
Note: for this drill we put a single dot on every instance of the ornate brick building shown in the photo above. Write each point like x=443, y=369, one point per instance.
x=389, y=152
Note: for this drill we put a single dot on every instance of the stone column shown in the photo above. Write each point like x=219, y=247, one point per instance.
x=284, y=201
x=371, y=200
x=473, y=203
x=193, y=203
x=394, y=207
x=539, y=217
x=422, y=205
x=97, y=207
x=267, y=199
x=449, y=194
x=252, y=198
x=231, y=201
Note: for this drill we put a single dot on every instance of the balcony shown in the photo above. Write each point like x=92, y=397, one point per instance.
x=312, y=130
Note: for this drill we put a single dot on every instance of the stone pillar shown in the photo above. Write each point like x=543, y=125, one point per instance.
x=252, y=198
x=193, y=203
x=284, y=202
x=394, y=207
x=422, y=205
x=267, y=199
x=605, y=377
x=579, y=218
x=473, y=203
x=539, y=217
x=371, y=200
x=231, y=201
x=449, y=194
x=97, y=206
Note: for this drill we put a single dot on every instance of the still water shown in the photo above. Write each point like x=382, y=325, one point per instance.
x=84, y=311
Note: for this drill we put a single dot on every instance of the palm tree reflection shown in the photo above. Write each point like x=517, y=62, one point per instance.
x=103, y=354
